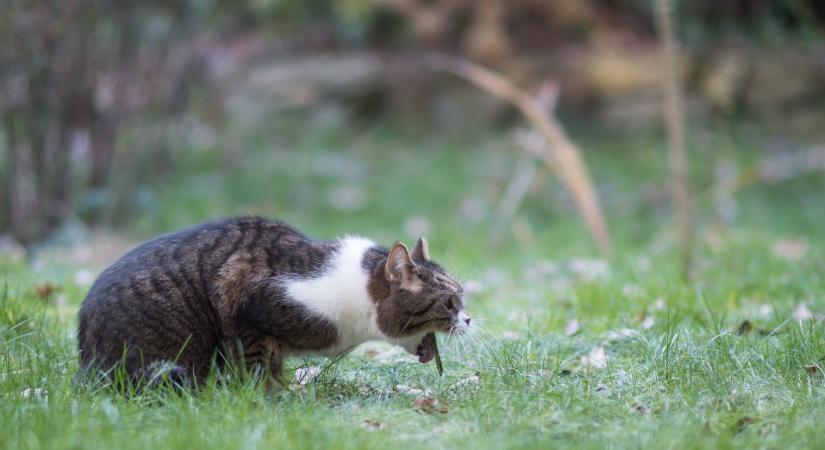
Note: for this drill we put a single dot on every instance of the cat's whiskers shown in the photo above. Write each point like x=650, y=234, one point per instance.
x=458, y=343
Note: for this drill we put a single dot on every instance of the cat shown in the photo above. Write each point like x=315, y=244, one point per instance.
x=251, y=291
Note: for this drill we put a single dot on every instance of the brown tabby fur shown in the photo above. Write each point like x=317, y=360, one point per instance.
x=203, y=294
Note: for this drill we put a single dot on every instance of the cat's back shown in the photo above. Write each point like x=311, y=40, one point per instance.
x=193, y=251
x=177, y=287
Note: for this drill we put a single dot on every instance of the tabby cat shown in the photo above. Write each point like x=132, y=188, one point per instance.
x=252, y=291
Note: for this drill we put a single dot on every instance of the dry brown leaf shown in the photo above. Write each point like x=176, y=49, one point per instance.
x=429, y=405
x=813, y=369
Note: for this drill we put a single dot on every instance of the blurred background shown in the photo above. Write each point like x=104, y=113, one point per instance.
x=120, y=120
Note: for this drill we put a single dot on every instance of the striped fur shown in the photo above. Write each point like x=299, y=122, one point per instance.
x=249, y=290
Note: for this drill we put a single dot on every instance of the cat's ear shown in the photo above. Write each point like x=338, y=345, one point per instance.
x=400, y=268
x=421, y=250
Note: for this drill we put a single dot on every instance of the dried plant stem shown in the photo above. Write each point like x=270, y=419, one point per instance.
x=562, y=156
x=674, y=121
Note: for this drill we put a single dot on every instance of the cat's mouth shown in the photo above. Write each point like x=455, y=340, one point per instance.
x=426, y=349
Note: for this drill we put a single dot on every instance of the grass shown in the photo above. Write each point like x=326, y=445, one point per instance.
x=678, y=373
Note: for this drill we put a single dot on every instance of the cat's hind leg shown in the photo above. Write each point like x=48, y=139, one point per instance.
x=263, y=358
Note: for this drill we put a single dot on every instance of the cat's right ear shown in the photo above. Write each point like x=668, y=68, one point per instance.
x=421, y=250
x=400, y=268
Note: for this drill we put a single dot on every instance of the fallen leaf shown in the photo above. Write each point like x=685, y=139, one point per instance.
x=572, y=327
x=596, y=359
x=372, y=425
x=744, y=328
x=812, y=369
x=45, y=290
x=429, y=405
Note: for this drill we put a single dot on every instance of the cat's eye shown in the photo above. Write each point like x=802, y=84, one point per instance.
x=453, y=303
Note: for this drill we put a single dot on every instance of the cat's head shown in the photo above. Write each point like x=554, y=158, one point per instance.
x=415, y=296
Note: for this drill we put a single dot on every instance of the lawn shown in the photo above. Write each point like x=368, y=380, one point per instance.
x=572, y=349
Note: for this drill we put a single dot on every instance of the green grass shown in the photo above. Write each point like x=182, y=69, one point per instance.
x=688, y=381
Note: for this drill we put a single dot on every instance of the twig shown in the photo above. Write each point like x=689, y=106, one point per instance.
x=674, y=121
x=561, y=155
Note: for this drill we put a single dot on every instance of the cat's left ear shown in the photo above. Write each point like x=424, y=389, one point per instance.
x=421, y=250
x=401, y=269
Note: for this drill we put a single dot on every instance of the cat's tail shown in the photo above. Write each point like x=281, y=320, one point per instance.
x=152, y=376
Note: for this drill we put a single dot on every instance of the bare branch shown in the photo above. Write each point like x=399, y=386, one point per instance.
x=561, y=155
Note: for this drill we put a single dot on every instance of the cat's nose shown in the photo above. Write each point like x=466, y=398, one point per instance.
x=463, y=317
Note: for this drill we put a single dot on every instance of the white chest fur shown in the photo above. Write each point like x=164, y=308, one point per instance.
x=340, y=295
